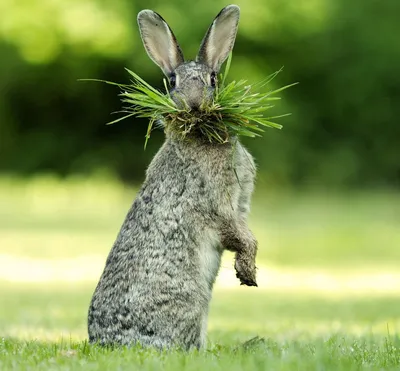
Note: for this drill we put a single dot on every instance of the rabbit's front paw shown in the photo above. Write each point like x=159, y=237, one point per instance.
x=245, y=270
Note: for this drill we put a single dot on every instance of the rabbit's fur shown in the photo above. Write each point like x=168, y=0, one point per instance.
x=157, y=283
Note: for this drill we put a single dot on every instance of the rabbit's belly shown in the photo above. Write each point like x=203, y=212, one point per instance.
x=209, y=256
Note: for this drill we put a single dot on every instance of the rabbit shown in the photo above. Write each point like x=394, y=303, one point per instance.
x=157, y=282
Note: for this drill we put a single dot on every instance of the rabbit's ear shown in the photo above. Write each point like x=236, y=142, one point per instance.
x=159, y=41
x=220, y=37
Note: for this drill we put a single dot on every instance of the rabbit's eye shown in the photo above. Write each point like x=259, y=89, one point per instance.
x=213, y=79
x=172, y=80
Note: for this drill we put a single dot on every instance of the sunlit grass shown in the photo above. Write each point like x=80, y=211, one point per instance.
x=60, y=229
x=52, y=311
x=348, y=230
x=44, y=327
x=59, y=310
x=333, y=353
x=50, y=218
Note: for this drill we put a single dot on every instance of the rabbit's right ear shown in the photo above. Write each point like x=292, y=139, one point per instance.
x=159, y=41
x=220, y=37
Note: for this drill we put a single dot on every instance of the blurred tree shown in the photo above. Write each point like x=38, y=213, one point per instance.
x=343, y=132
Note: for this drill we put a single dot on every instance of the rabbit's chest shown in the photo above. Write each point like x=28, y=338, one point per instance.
x=209, y=257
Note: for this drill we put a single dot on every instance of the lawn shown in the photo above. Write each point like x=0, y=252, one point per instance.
x=328, y=296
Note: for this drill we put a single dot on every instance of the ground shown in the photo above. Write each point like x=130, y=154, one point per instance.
x=328, y=295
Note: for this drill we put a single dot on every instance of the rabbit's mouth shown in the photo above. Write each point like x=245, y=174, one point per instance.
x=194, y=99
x=199, y=124
x=199, y=108
x=195, y=106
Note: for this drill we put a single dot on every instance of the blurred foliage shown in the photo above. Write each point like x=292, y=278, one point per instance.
x=343, y=132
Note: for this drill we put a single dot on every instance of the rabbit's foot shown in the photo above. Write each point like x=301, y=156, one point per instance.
x=245, y=270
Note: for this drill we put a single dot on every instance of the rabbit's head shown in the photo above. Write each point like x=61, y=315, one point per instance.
x=192, y=83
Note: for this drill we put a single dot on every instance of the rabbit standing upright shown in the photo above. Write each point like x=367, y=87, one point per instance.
x=157, y=282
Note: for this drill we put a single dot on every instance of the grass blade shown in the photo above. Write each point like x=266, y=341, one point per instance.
x=238, y=108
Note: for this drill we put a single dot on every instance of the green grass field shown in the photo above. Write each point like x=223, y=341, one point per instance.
x=330, y=298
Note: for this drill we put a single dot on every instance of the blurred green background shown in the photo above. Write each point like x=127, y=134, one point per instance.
x=344, y=130
x=326, y=210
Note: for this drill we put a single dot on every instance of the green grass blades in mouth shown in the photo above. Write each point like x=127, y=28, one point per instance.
x=237, y=109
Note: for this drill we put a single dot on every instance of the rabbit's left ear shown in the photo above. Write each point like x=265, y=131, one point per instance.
x=159, y=41
x=220, y=37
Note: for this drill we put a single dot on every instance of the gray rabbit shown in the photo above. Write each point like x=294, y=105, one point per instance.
x=157, y=282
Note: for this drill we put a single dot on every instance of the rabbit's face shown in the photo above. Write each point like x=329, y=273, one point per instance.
x=192, y=85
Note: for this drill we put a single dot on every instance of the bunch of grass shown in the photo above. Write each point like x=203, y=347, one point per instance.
x=238, y=109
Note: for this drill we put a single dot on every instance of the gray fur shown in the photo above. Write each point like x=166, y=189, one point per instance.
x=157, y=283
x=192, y=84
